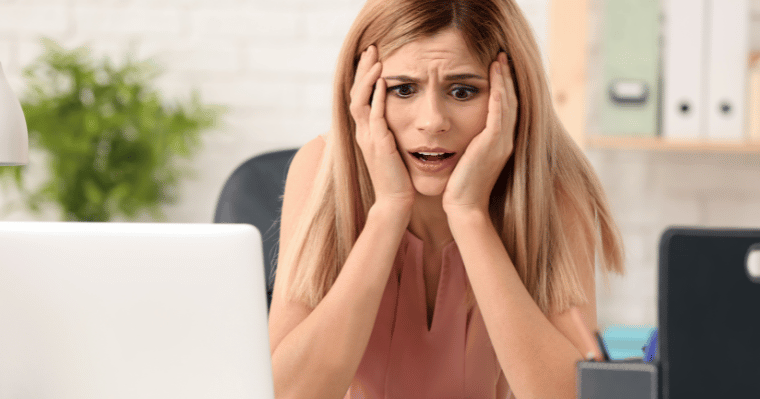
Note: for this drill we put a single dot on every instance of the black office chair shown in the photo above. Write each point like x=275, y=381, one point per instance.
x=252, y=194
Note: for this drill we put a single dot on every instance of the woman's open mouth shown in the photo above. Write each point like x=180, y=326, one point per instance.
x=431, y=156
x=433, y=162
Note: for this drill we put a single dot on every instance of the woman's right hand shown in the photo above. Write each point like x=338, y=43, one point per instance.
x=390, y=177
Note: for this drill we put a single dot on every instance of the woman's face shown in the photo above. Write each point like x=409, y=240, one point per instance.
x=437, y=97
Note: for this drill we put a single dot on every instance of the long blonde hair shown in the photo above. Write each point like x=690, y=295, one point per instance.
x=545, y=168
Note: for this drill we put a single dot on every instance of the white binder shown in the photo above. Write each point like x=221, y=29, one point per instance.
x=728, y=50
x=683, y=76
x=753, y=111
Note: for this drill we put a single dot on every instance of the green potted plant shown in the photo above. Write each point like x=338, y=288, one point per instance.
x=114, y=146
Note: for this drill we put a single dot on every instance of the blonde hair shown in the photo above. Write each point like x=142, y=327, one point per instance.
x=546, y=176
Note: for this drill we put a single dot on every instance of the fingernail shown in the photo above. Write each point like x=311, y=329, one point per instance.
x=498, y=67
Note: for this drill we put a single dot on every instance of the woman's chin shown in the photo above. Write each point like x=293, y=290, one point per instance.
x=430, y=187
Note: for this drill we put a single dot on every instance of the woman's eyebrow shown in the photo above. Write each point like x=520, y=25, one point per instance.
x=447, y=78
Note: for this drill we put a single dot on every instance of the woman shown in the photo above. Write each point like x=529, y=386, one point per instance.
x=433, y=243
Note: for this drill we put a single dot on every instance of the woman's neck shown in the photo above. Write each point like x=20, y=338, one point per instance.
x=429, y=222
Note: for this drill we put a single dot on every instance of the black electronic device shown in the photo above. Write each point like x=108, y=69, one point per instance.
x=709, y=313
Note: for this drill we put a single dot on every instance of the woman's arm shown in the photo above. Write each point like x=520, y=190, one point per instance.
x=315, y=353
x=538, y=355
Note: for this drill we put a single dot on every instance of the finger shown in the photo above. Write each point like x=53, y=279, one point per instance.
x=377, y=114
x=365, y=62
x=494, y=119
x=364, y=91
x=370, y=80
x=509, y=116
x=509, y=85
x=503, y=77
x=360, y=70
x=360, y=99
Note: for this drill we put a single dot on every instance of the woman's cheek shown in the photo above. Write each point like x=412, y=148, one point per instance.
x=393, y=119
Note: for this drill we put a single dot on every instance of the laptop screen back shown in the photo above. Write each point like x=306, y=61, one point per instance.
x=128, y=310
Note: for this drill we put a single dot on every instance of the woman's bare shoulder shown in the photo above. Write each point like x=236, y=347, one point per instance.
x=286, y=314
x=305, y=163
x=301, y=175
x=300, y=181
x=313, y=148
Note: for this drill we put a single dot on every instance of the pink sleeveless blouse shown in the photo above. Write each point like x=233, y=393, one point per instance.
x=453, y=359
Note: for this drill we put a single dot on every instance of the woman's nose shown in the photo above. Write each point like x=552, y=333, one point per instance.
x=431, y=114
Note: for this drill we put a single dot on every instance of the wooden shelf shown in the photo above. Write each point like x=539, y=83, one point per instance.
x=661, y=144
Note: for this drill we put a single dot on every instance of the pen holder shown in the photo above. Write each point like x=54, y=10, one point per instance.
x=622, y=379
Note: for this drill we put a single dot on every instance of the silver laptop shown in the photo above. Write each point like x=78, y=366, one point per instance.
x=132, y=310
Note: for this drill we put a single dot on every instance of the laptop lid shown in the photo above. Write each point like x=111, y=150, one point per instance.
x=132, y=310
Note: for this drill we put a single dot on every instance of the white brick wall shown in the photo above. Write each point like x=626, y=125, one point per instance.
x=245, y=21
x=34, y=19
x=97, y=20
x=271, y=63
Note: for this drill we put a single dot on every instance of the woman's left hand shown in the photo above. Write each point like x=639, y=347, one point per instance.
x=470, y=184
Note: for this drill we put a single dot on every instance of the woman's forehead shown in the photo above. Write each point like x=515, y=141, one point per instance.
x=446, y=49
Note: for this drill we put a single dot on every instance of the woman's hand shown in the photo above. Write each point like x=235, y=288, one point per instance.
x=389, y=175
x=470, y=184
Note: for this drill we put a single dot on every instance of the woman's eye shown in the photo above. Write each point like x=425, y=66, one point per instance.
x=464, y=93
x=461, y=93
x=403, y=90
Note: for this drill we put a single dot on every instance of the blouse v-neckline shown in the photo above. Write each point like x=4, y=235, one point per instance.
x=405, y=359
x=443, y=274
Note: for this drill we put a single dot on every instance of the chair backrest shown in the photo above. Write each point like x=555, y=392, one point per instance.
x=253, y=195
